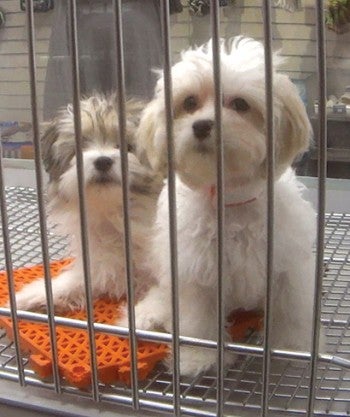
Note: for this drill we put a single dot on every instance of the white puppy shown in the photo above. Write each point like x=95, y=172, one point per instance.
x=245, y=234
x=103, y=190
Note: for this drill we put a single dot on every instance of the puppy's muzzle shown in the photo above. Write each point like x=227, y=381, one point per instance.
x=103, y=163
x=202, y=128
x=104, y=172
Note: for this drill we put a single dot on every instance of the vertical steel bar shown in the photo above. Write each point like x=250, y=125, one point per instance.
x=40, y=193
x=126, y=205
x=270, y=203
x=81, y=193
x=322, y=174
x=9, y=272
x=216, y=51
x=165, y=21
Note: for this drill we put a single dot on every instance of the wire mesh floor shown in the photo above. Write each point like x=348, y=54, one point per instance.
x=289, y=380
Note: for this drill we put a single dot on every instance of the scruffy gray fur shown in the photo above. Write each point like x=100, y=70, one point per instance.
x=102, y=177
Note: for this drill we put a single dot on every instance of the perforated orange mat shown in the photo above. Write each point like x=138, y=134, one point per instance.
x=113, y=356
x=73, y=348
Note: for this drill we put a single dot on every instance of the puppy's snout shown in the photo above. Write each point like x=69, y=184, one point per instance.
x=202, y=128
x=103, y=163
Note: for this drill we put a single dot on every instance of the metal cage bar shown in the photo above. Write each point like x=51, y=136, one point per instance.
x=270, y=157
x=220, y=207
x=81, y=192
x=40, y=193
x=12, y=312
x=322, y=174
x=152, y=336
x=126, y=205
x=165, y=27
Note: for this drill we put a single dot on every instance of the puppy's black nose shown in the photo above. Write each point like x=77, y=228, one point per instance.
x=103, y=163
x=202, y=128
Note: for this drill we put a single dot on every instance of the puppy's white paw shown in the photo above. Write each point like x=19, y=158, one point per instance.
x=75, y=302
x=122, y=320
x=31, y=297
x=65, y=297
x=196, y=360
x=145, y=317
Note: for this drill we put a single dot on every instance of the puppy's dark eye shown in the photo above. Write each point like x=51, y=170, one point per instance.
x=190, y=103
x=86, y=142
x=239, y=104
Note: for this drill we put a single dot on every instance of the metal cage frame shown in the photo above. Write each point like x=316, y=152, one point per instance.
x=259, y=383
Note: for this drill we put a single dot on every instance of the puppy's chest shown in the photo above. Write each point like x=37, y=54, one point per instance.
x=244, y=244
x=244, y=259
x=106, y=237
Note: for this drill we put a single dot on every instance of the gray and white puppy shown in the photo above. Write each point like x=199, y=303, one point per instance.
x=103, y=191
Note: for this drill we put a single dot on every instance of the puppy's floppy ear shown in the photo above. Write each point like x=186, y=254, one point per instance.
x=57, y=148
x=293, y=133
x=149, y=130
x=48, y=138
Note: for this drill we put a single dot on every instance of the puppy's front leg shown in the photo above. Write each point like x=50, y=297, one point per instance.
x=152, y=312
x=293, y=311
x=67, y=289
x=197, y=319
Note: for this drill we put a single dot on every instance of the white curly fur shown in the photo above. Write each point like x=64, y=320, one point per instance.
x=245, y=233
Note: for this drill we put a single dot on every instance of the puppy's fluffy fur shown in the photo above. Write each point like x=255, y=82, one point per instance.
x=102, y=181
x=245, y=234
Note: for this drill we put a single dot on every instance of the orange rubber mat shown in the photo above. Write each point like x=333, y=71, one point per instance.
x=243, y=324
x=113, y=357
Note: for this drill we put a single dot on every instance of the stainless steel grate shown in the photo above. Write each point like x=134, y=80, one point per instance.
x=289, y=380
x=24, y=230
